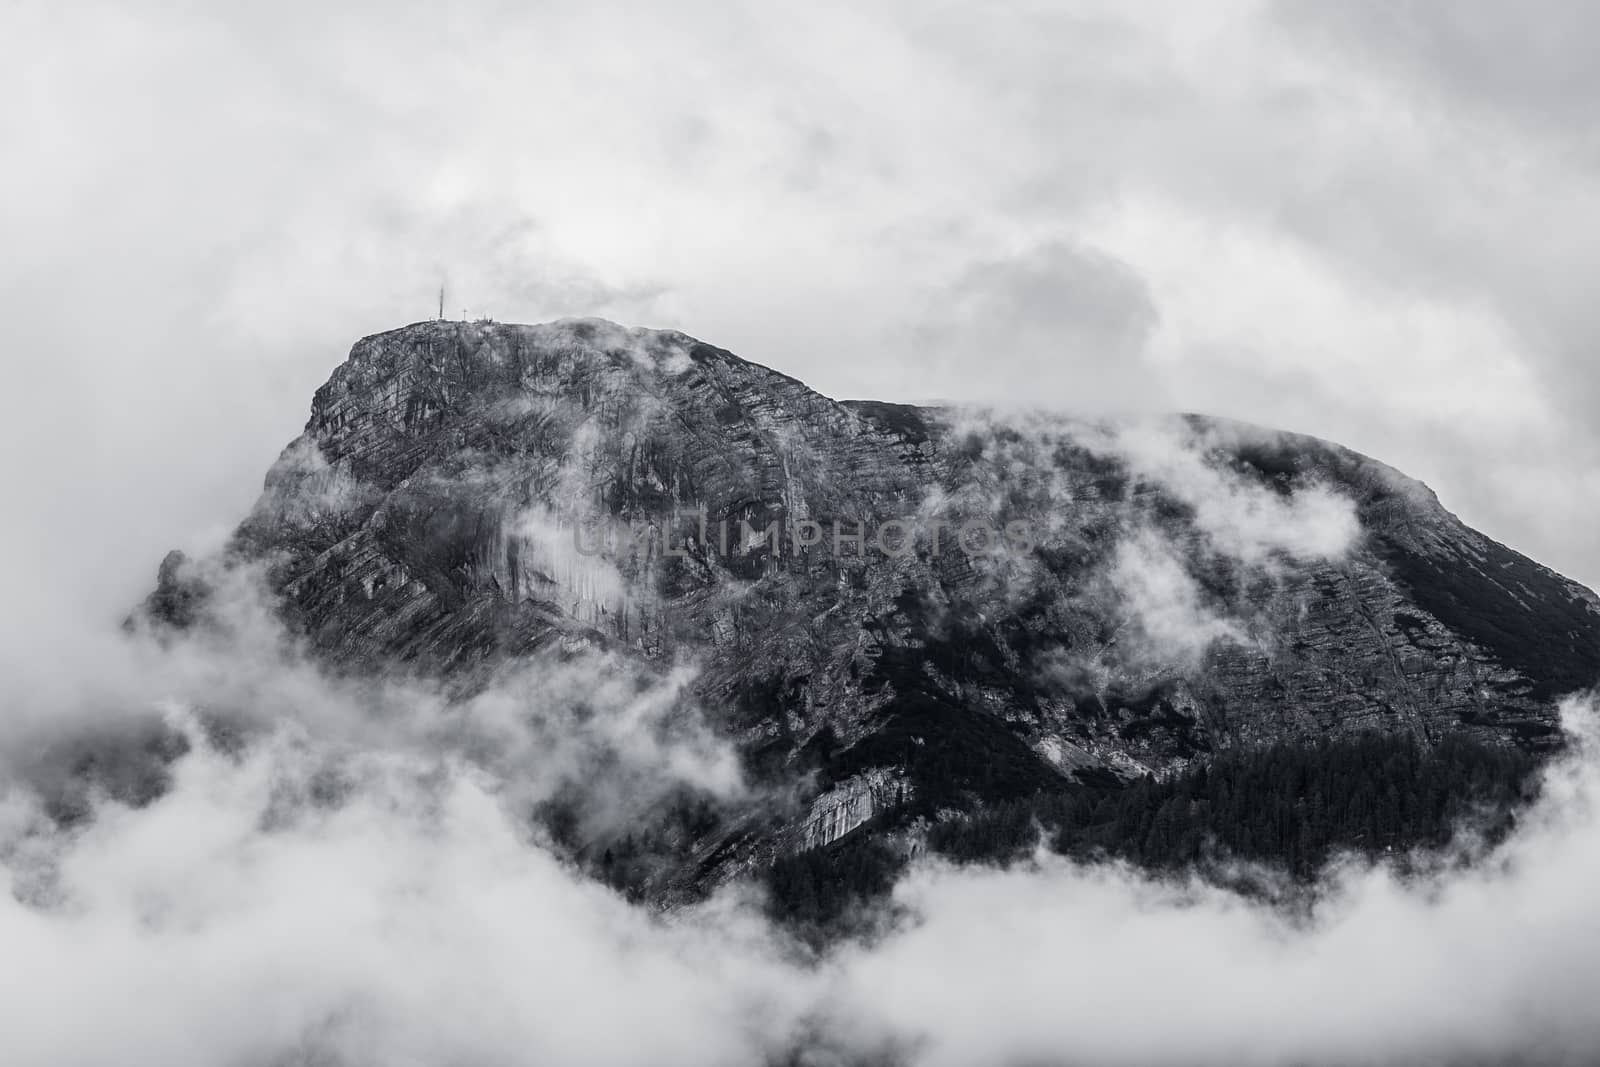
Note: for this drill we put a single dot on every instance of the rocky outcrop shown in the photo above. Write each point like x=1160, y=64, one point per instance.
x=1128, y=597
x=851, y=804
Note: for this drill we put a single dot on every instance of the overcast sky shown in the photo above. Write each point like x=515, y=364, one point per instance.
x=1372, y=221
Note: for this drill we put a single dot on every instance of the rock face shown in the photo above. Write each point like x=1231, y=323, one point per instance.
x=1124, y=597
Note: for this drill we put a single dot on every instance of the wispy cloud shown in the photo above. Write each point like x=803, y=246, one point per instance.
x=328, y=889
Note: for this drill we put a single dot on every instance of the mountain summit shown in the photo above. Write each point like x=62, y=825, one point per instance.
x=904, y=613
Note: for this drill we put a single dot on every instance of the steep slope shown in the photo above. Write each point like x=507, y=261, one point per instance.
x=1126, y=597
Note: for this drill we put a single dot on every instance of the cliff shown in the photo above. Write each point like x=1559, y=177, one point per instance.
x=1035, y=603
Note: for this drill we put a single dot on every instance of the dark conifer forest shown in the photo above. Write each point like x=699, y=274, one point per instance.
x=1288, y=806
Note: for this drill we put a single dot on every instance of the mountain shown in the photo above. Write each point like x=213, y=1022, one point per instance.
x=1128, y=597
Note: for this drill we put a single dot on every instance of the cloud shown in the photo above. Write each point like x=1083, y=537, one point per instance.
x=241, y=919
x=1102, y=966
x=1366, y=224
x=318, y=895
x=1251, y=529
x=1171, y=624
x=1529, y=68
x=1068, y=321
x=611, y=739
x=340, y=872
x=1242, y=519
x=1213, y=516
x=1088, y=205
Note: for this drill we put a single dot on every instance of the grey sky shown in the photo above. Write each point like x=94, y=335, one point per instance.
x=1371, y=220
x=1367, y=221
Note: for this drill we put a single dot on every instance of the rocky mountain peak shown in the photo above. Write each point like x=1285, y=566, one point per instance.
x=911, y=611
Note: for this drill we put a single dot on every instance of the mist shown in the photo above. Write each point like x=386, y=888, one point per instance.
x=352, y=875
x=1306, y=221
x=1368, y=225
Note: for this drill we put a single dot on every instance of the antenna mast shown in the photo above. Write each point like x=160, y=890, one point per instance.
x=441, y=303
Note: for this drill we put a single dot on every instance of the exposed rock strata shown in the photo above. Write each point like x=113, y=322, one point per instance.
x=1191, y=586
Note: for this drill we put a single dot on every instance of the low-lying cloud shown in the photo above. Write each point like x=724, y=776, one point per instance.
x=1243, y=519
x=1171, y=499
x=1167, y=619
x=355, y=879
x=1246, y=527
